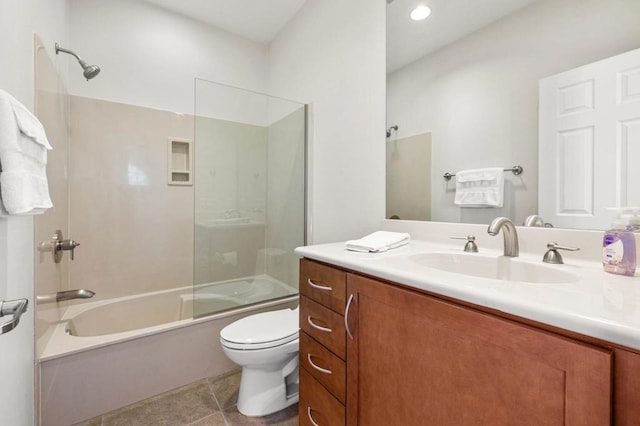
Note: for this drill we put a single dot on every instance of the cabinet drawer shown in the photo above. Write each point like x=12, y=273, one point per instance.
x=316, y=405
x=324, y=325
x=327, y=368
x=324, y=284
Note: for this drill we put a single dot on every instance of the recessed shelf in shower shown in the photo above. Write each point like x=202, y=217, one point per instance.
x=180, y=160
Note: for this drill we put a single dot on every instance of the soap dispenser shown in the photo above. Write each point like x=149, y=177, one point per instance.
x=634, y=221
x=619, y=249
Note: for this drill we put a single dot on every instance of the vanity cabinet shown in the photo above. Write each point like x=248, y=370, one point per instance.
x=416, y=359
x=411, y=357
x=322, y=344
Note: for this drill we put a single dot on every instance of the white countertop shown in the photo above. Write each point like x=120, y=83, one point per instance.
x=598, y=304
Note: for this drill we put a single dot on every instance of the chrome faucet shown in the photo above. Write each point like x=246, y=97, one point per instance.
x=534, y=220
x=509, y=232
x=61, y=296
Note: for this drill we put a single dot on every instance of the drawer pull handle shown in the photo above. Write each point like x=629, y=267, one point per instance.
x=317, y=327
x=313, y=422
x=320, y=369
x=346, y=316
x=317, y=286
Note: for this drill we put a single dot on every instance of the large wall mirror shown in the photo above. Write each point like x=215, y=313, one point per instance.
x=463, y=92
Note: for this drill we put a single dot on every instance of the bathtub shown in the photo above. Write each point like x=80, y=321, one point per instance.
x=107, y=354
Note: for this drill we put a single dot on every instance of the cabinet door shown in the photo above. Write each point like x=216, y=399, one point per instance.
x=417, y=360
x=627, y=388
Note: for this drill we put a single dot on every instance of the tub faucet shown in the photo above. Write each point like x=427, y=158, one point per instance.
x=509, y=232
x=61, y=296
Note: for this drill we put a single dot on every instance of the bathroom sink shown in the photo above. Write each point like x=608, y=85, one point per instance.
x=494, y=267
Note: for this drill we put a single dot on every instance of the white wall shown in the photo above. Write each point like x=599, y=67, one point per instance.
x=19, y=19
x=479, y=96
x=332, y=55
x=150, y=57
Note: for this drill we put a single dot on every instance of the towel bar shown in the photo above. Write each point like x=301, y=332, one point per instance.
x=517, y=170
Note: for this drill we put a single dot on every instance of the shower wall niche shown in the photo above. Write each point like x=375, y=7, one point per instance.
x=249, y=193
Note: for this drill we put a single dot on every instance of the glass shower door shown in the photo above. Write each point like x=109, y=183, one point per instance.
x=249, y=189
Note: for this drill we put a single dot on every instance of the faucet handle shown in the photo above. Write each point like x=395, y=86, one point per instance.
x=553, y=256
x=56, y=245
x=68, y=245
x=470, y=246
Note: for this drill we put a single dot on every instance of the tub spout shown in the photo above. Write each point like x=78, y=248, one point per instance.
x=74, y=294
x=61, y=296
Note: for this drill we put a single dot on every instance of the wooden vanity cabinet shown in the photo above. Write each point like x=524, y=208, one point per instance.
x=417, y=359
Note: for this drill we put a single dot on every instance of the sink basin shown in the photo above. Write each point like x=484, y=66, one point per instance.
x=496, y=268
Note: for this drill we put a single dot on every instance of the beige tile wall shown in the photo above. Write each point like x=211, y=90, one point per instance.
x=135, y=230
x=409, y=177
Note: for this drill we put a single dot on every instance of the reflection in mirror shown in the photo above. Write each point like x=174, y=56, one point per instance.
x=408, y=177
x=478, y=92
x=589, y=142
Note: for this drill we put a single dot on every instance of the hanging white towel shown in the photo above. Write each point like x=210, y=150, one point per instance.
x=480, y=187
x=378, y=242
x=24, y=189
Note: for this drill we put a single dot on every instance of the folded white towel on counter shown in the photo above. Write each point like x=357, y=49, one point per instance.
x=24, y=189
x=378, y=242
x=480, y=187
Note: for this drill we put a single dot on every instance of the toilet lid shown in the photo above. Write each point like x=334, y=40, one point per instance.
x=274, y=328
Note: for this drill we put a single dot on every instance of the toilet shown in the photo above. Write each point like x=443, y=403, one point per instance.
x=266, y=345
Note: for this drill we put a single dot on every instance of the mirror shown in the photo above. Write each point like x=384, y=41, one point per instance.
x=475, y=90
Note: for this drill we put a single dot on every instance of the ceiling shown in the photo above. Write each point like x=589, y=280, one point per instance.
x=450, y=20
x=256, y=20
x=407, y=41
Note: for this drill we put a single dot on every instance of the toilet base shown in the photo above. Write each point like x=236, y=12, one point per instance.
x=264, y=392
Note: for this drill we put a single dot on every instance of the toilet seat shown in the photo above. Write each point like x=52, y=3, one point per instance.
x=264, y=330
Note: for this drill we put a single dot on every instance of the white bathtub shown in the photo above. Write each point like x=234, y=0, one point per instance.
x=107, y=354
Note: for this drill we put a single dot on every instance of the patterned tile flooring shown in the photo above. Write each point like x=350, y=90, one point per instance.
x=210, y=402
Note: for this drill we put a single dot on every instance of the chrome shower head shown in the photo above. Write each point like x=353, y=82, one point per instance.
x=90, y=71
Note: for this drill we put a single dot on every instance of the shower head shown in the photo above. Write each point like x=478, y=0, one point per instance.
x=90, y=71
x=390, y=129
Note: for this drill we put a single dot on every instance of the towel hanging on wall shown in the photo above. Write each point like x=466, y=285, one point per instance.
x=24, y=189
x=480, y=187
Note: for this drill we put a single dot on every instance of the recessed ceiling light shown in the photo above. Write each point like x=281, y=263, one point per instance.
x=420, y=12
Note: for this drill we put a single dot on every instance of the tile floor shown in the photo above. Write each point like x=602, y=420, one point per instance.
x=210, y=402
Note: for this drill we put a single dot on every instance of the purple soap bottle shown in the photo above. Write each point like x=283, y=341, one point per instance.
x=619, y=249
